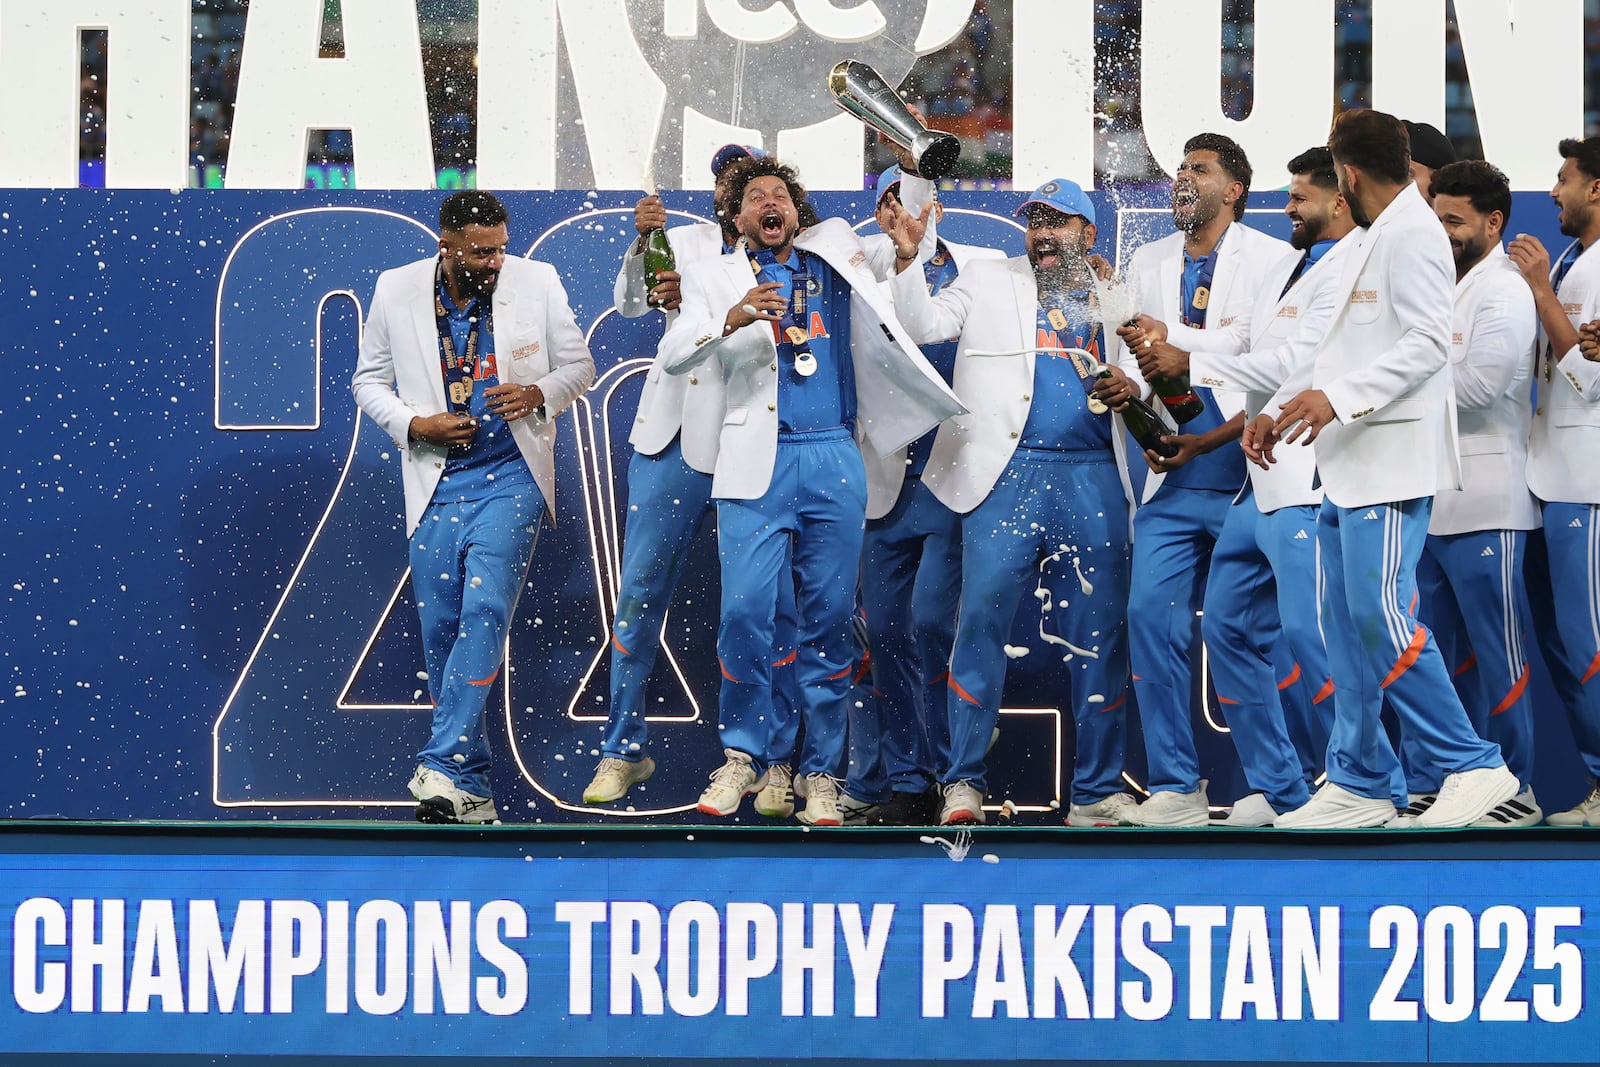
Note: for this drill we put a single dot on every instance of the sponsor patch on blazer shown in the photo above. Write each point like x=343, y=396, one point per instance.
x=1457, y=338
x=1227, y=321
x=1363, y=296
x=1572, y=309
x=1288, y=311
x=525, y=351
x=858, y=258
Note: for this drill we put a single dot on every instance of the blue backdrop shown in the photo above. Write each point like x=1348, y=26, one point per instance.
x=206, y=608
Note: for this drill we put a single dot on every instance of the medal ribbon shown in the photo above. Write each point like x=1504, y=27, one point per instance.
x=1194, y=309
x=793, y=327
x=459, y=369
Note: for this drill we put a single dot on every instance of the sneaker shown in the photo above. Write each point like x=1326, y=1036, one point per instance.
x=440, y=801
x=1417, y=803
x=856, y=812
x=824, y=803
x=1520, y=810
x=963, y=803
x=907, y=809
x=1107, y=811
x=1168, y=807
x=1467, y=796
x=1334, y=807
x=1587, y=813
x=776, y=798
x=730, y=784
x=613, y=777
x=1250, y=810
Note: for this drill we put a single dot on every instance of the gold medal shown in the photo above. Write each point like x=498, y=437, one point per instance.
x=805, y=364
x=1057, y=319
x=1097, y=406
x=796, y=335
x=461, y=391
x=1202, y=297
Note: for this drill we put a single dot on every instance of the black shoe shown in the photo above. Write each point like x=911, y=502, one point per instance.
x=908, y=809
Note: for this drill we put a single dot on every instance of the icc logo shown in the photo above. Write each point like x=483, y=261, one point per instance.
x=764, y=67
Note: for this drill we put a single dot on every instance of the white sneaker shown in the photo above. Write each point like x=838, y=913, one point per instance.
x=776, y=798
x=1250, y=810
x=1105, y=812
x=1467, y=796
x=1520, y=810
x=1587, y=813
x=730, y=784
x=822, y=796
x=1334, y=807
x=613, y=777
x=1168, y=807
x=1417, y=803
x=963, y=803
x=439, y=800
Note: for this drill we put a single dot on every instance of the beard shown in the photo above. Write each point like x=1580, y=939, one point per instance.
x=1574, y=221
x=1307, y=234
x=477, y=283
x=1469, y=252
x=1064, y=272
x=773, y=231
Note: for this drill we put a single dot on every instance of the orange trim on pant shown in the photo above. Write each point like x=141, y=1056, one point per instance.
x=1294, y=676
x=962, y=693
x=790, y=658
x=486, y=681
x=1121, y=700
x=724, y=668
x=619, y=646
x=1515, y=694
x=1594, y=669
x=849, y=668
x=1324, y=693
x=1408, y=657
x=1224, y=700
x=1470, y=662
x=1412, y=610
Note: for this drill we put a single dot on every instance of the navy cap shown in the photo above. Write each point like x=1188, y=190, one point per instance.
x=1428, y=146
x=1065, y=196
x=888, y=180
x=730, y=152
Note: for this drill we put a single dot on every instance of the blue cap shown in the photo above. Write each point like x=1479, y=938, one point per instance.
x=888, y=180
x=1065, y=196
x=730, y=152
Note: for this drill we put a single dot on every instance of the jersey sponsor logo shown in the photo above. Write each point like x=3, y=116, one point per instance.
x=1301, y=536
x=1373, y=514
x=1487, y=551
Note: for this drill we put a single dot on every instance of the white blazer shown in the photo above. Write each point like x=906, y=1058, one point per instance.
x=398, y=375
x=886, y=475
x=1155, y=273
x=1491, y=365
x=1281, y=333
x=1385, y=365
x=993, y=306
x=899, y=396
x=1565, y=437
x=671, y=403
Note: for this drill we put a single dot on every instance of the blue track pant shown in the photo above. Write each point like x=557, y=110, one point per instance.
x=1013, y=541
x=1379, y=651
x=814, y=509
x=1563, y=573
x=1261, y=598
x=468, y=563
x=910, y=587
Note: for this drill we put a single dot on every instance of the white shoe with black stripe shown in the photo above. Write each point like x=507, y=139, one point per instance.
x=1520, y=810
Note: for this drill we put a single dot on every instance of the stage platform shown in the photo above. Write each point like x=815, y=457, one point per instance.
x=317, y=942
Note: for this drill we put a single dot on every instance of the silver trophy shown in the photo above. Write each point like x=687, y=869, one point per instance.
x=859, y=89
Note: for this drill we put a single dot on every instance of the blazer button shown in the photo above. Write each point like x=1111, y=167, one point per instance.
x=772, y=407
x=1538, y=411
x=438, y=464
x=1014, y=435
x=1026, y=396
x=693, y=380
x=773, y=367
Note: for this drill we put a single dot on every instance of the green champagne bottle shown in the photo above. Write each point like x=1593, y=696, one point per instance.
x=1146, y=426
x=657, y=258
x=1178, y=397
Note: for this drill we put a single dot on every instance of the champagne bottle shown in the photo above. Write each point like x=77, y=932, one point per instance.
x=1144, y=422
x=658, y=257
x=1178, y=397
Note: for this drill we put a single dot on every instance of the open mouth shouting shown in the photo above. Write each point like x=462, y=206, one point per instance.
x=1046, y=254
x=772, y=228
